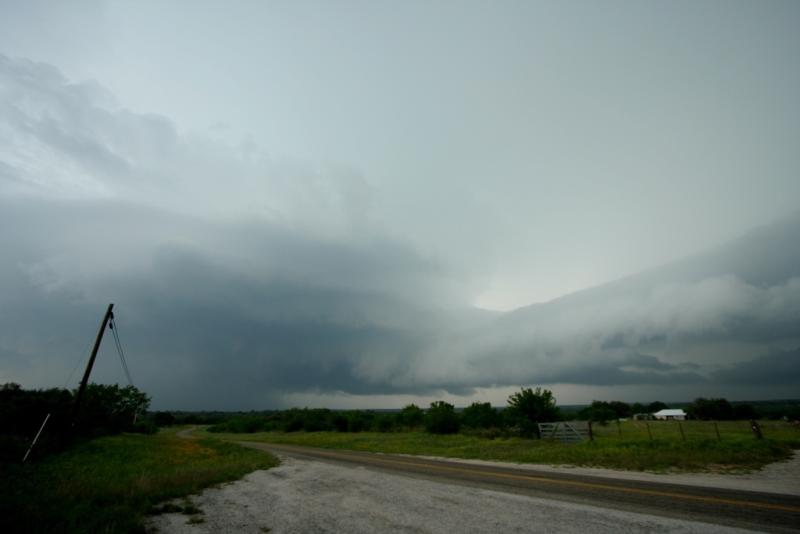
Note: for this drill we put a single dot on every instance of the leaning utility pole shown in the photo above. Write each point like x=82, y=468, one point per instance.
x=106, y=318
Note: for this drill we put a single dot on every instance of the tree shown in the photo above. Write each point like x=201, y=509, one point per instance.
x=111, y=409
x=411, y=416
x=719, y=409
x=744, y=411
x=441, y=418
x=163, y=419
x=360, y=421
x=656, y=406
x=480, y=415
x=599, y=411
x=528, y=407
x=621, y=409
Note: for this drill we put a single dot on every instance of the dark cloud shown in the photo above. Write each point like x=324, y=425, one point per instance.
x=304, y=315
x=779, y=367
x=239, y=279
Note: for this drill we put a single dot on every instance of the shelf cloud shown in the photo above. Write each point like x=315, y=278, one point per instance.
x=243, y=278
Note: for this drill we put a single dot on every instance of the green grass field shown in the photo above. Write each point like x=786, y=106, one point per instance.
x=110, y=484
x=700, y=451
x=695, y=430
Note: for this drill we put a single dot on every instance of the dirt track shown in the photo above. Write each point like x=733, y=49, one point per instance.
x=307, y=495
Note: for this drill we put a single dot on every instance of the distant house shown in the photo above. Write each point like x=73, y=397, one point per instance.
x=670, y=414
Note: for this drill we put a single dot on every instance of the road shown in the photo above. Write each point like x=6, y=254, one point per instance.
x=734, y=508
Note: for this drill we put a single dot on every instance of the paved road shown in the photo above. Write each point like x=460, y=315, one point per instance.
x=751, y=510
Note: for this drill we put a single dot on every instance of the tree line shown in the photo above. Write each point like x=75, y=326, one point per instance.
x=109, y=409
x=525, y=409
x=716, y=409
x=105, y=409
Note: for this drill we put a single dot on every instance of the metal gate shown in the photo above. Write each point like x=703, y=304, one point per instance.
x=567, y=431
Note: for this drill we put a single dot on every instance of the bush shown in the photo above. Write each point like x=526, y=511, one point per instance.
x=411, y=416
x=385, y=423
x=145, y=426
x=602, y=411
x=528, y=407
x=110, y=409
x=105, y=410
x=441, y=418
x=163, y=419
x=360, y=421
x=710, y=409
x=480, y=415
x=341, y=423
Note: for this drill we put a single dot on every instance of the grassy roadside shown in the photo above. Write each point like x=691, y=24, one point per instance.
x=733, y=455
x=110, y=484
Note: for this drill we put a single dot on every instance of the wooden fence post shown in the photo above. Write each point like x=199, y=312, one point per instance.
x=648, y=430
x=619, y=428
x=680, y=427
x=591, y=433
x=716, y=429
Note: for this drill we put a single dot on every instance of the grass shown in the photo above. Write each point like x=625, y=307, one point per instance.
x=700, y=451
x=110, y=484
x=696, y=430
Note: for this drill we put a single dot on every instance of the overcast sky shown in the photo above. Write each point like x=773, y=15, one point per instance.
x=332, y=202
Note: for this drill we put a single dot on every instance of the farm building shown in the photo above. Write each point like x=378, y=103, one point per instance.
x=670, y=414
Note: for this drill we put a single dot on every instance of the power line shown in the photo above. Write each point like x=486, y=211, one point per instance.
x=115, y=331
x=78, y=361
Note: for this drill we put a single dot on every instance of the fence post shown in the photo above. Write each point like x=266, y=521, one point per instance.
x=648, y=430
x=716, y=429
x=680, y=427
x=591, y=434
x=756, y=429
x=619, y=428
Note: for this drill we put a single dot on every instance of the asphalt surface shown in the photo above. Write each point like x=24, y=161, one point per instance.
x=768, y=512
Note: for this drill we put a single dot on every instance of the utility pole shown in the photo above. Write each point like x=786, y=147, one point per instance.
x=106, y=318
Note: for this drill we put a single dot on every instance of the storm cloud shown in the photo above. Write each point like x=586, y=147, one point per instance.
x=241, y=278
x=278, y=280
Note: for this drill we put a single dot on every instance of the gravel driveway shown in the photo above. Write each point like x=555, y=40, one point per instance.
x=302, y=496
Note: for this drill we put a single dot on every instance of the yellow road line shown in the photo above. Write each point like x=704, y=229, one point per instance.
x=575, y=483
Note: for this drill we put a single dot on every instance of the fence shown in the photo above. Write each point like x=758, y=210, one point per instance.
x=574, y=431
x=695, y=430
x=568, y=431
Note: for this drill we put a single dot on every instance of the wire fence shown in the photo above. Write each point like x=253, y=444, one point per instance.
x=694, y=430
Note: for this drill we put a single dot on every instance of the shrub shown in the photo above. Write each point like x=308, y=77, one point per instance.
x=105, y=410
x=341, y=423
x=411, y=416
x=385, y=423
x=707, y=409
x=528, y=407
x=441, y=418
x=480, y=415
x=163, y=419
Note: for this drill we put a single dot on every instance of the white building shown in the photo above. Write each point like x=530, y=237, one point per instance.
x=669, y=414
